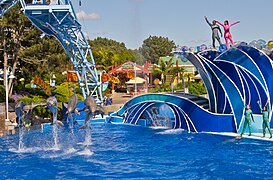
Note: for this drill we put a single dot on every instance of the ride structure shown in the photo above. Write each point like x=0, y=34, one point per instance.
x=59, y=19
x=234, y=78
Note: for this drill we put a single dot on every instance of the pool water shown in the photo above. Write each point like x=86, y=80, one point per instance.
x=123, y=151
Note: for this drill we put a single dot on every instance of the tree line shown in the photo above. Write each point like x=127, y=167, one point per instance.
x=27, y=51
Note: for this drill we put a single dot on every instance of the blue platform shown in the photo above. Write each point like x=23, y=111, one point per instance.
x=239, y=76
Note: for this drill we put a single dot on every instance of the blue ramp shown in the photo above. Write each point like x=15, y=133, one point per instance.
x=188, y=115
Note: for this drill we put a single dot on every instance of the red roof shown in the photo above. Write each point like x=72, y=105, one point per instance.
x=129, y=66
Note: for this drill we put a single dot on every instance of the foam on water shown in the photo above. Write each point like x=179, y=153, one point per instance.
x=85, y=152
x=26, y=150
x=67, y=153
x=171, y=131
x=158, y=127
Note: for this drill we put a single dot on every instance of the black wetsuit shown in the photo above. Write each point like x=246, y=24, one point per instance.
x=215, y=28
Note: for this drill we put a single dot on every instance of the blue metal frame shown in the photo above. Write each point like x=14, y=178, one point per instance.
x=6, y=5
x=59, y=20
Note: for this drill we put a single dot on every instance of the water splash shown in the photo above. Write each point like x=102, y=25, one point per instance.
x=86, y=152
x=159, y=116
x=55, y=136
x=70, y=122
x=88, y=139
x=21, y=137
x=54, y=109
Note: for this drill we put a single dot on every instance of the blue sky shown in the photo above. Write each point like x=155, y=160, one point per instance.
x=132, y=21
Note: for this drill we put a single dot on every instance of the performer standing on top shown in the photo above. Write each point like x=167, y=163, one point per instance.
x=215, y=28
x=227, y=34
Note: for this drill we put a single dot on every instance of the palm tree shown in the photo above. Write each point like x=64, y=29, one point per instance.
x=163, y=69
x=175, y=71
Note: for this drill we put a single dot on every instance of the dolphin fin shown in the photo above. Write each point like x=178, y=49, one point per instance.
x=65, y=105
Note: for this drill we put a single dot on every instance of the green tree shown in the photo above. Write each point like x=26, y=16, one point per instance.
x=155, y=47
x=175, y=71
x=163, y=69
x=138, y=57
x=46, y=57
x=197, y=88
x=16, y=30
x=107, y=44
x=107, y=52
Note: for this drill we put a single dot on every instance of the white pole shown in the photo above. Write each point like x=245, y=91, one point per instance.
x=7, y=96
x=100, y=81
x=135, y=80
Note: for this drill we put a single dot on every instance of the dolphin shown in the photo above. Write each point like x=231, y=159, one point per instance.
x=52, y=104
x=71, y=105
x=71, y=108
x=90, y=108
x=19, y=111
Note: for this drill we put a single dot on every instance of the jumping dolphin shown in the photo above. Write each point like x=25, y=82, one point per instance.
x=71, y=105
x=19, y=111
x=91, y=108
x=71, y=108
x=52, y=104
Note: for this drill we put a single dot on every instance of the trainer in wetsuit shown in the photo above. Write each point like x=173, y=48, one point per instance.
x=248, y=118
x=265, y=112
x=215, y=28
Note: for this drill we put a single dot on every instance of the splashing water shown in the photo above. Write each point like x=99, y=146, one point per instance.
x=55, y=127
x=70, y=122
x=88, y=139
x=21, y=134
x=21, y=138
x=55, y=136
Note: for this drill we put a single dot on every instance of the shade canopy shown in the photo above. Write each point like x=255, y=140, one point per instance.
x=129, y=67
x=138, y=80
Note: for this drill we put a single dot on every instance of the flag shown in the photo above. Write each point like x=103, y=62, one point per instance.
x=71, y=76
x=38, y=81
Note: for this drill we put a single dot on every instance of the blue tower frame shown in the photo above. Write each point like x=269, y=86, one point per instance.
x=59, y=19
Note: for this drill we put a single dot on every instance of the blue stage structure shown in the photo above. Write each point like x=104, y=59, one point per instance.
x=58, y=19
x=239, y=76
x=188, y=115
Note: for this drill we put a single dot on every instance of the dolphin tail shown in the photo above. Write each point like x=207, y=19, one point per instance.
x=85, y=126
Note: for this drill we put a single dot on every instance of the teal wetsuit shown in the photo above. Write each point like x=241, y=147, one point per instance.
x=265, y=119
x=248, y=117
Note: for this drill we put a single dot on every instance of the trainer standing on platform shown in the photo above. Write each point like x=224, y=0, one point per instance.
x=265, y=112
x=248, y=117
x=215, y=28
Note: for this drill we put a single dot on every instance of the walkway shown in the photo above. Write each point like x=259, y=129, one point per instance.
x=118, y=100
x=256, y=136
